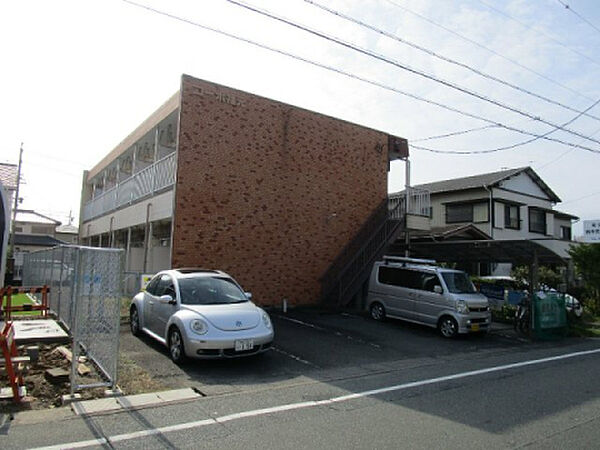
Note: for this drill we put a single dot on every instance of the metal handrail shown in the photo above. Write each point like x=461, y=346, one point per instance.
x=158, y=176
x=363, y=249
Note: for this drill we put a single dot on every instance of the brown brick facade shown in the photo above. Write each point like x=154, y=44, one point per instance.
x=269, y=192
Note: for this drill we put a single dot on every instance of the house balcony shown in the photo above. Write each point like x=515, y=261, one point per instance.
x=156, y=178
x=418, y=208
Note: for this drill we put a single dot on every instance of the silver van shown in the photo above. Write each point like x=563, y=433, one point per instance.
x=418, y=291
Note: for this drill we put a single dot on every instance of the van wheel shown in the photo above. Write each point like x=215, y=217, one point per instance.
x=377, y=311
x=448, y=327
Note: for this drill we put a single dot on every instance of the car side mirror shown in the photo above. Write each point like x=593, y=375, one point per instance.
x=167, y=299
x=438, y=289
x=248, y=295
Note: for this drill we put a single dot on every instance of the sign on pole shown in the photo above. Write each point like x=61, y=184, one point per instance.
x=591, y=230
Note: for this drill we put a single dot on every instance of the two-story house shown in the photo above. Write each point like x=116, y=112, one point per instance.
x=509, y=205
x=35, y=231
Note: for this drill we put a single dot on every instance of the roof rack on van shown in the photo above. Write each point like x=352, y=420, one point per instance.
x=403, y=259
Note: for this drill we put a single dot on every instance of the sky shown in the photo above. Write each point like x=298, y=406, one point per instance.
x=78, y=76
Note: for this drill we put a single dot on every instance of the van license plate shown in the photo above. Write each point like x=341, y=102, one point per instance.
x=475, y=327
x=246, y=344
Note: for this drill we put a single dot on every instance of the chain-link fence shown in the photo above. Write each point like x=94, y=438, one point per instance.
x=85, y=293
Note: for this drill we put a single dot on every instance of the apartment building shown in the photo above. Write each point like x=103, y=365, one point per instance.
x=220, y=178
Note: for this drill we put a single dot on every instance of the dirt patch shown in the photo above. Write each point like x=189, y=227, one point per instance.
x=44, y=394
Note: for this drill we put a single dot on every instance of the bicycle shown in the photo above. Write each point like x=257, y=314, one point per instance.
x=522, y=321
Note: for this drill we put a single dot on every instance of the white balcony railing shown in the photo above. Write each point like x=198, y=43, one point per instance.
x=154, y=178
x=419, y=202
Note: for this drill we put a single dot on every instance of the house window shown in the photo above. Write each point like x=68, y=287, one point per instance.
x=537, y=221
x=565, y=233
x=511, y=217
x=459, y=213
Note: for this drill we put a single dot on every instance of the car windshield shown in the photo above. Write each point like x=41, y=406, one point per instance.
x=209, y=291
x=458, y=283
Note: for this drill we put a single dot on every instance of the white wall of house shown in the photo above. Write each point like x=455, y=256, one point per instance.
x=523, y=183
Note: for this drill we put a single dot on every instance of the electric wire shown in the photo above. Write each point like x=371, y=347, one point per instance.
x=455, y=133
x=434, y=54
x=543, y=166
x=494, y=52
x=567, y=7
x=581, y=198
x=507, y=147
x=408, y=68
x=353, y=76
x=538, y=30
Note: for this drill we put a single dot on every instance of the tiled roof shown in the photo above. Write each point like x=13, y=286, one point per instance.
x=30, y=216
x=485, y=179
x=8, y=175
x=37, y=239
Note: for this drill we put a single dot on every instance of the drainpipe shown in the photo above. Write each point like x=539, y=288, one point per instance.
x=491, y=214
x=491, y=210
x=146, y=237
x=406, y=206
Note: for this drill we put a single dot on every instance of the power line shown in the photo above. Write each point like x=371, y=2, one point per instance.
x=538, y=30
x=581, y=198
x=408, y=68
x=508, y=147
x=567, y=7
x=494, y=52
x=353, y=76
x=444, y=58
x=563, y=154
x=455, y=133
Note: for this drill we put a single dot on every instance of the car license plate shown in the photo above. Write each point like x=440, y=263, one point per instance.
x=475, y=327
x=246, y=344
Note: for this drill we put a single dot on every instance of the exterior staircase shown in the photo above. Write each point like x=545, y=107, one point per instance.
x=347, y=274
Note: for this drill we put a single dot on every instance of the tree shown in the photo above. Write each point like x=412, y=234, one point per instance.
x=586, y=258
x=546, y=276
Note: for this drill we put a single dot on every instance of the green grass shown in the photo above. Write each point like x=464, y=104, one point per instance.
x=18, y=300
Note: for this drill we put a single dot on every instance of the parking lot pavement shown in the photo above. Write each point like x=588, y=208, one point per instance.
x=313, y=345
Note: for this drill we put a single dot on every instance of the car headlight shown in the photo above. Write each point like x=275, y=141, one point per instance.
x=461, y=307
x=266, y=320
x=199, y=326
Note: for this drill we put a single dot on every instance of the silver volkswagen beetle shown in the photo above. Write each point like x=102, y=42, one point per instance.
x=202, y=314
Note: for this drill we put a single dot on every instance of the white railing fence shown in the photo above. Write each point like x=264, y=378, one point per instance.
x=154, y=178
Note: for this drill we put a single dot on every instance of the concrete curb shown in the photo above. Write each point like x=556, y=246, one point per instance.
x=129, y=402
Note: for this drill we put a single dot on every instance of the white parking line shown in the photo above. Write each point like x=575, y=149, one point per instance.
x=337, y=333
x=310, y=404
x=294, y=357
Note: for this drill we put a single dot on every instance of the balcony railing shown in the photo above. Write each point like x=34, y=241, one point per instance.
x=152, y=179
x=419, y=202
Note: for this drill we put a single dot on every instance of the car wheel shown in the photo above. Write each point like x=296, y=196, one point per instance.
x=134, y=321
x=448, y=327
x=377, y=311
x=176, y=349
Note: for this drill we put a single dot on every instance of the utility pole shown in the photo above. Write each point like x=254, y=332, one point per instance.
x=16, y=203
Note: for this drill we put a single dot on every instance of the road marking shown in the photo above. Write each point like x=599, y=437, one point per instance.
x=294, y=357
x=306, y=324
x=310, y=404
x=337, y=333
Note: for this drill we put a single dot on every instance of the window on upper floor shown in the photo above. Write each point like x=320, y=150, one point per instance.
x=565, y=233
x=537, y=221
x=512, y=217
x=460, y=212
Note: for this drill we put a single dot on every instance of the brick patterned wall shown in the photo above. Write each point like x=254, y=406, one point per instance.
x=269, y=192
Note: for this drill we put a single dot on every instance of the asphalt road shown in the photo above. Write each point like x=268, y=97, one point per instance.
x=346, y=382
